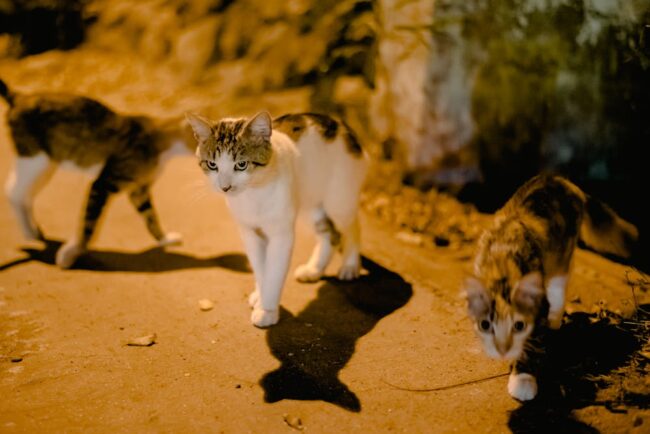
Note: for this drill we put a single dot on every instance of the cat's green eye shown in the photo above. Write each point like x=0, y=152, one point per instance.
x=484, y=325
x=212, y=165
x=241, y=165
x=519, y=326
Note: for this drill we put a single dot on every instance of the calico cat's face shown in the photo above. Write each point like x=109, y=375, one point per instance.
x=504, y=315
x=232, y=152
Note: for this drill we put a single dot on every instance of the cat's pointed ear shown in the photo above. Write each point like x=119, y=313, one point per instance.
x=260, y=126
x=529, y=292
x=200, y=125
x=478, y=299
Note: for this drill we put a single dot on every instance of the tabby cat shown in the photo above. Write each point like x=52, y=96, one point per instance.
x=268, y=171
x=121, y=153
x=522, y=267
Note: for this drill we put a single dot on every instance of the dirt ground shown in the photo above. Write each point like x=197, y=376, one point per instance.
x=339, y=361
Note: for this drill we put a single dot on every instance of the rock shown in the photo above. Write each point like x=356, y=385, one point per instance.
x=205, y=304
x=143, y=341
x=638, y=421
x=410, y=238
x=16, y=359
x=293, y=421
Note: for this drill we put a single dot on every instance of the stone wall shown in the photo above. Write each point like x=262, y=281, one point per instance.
x=455, y=91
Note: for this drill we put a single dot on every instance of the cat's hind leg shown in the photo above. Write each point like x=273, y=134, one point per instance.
x=27, y=176
x=140, y=198
x=556, y=294
x=102, y=188
x=347, y=222
x=351, y=266
x=327, y=238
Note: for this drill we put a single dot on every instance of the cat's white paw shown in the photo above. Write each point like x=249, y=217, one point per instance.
x=68, y=254
x=349, y=272
x=307, y=273
x=171, y=239
x=264, y=318
x=254, y=299
x=522, y=387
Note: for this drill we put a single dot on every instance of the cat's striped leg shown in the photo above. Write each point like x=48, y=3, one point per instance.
x=29, y=173
x=100, y=191
x=140, y=197
x=327, y=238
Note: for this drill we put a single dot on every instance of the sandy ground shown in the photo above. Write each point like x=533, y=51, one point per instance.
x=337, y=362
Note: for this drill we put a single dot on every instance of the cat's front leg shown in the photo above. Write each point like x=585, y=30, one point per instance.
x=255, y=243
x=521, y=385
x=556, y=294
x=69, y=252
x=140, y=198
x=278, y=256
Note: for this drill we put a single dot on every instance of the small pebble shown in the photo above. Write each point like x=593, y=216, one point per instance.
x=638, y=421
x=410, y=238
x=238, y=386
x=143, y=341
x=293, y=421
x=206, y=304
x=16, y=359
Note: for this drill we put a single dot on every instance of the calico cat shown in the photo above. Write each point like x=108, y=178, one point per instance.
x=121, y=153
x=268, y=171
x=522, y=268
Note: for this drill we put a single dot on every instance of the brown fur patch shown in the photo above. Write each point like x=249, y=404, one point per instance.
x=292, y=125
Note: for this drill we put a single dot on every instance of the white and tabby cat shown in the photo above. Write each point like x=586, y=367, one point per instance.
x=522, y=269
x=122, y=153
x=268, y=171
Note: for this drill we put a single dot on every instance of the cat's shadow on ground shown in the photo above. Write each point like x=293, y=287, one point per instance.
x=580, y=358
x=155, y=259
x=314, y=345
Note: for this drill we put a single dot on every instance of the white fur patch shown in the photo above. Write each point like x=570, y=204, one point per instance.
x=556, y=295
x=522, y=387
x=90, y=171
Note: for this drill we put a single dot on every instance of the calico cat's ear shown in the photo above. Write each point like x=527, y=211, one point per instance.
x=529, y=292
x=478, y=300
x=200, y=125
x=260, y=126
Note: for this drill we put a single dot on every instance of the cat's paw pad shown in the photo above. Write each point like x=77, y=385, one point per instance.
x=171, y=239
x=264, y=318
x=349, y=272
x=307, y=273
x=68, y=254
x=522, y=387
x=254, y=299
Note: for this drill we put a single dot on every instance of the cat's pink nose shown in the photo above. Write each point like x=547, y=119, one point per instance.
x=226, y=188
